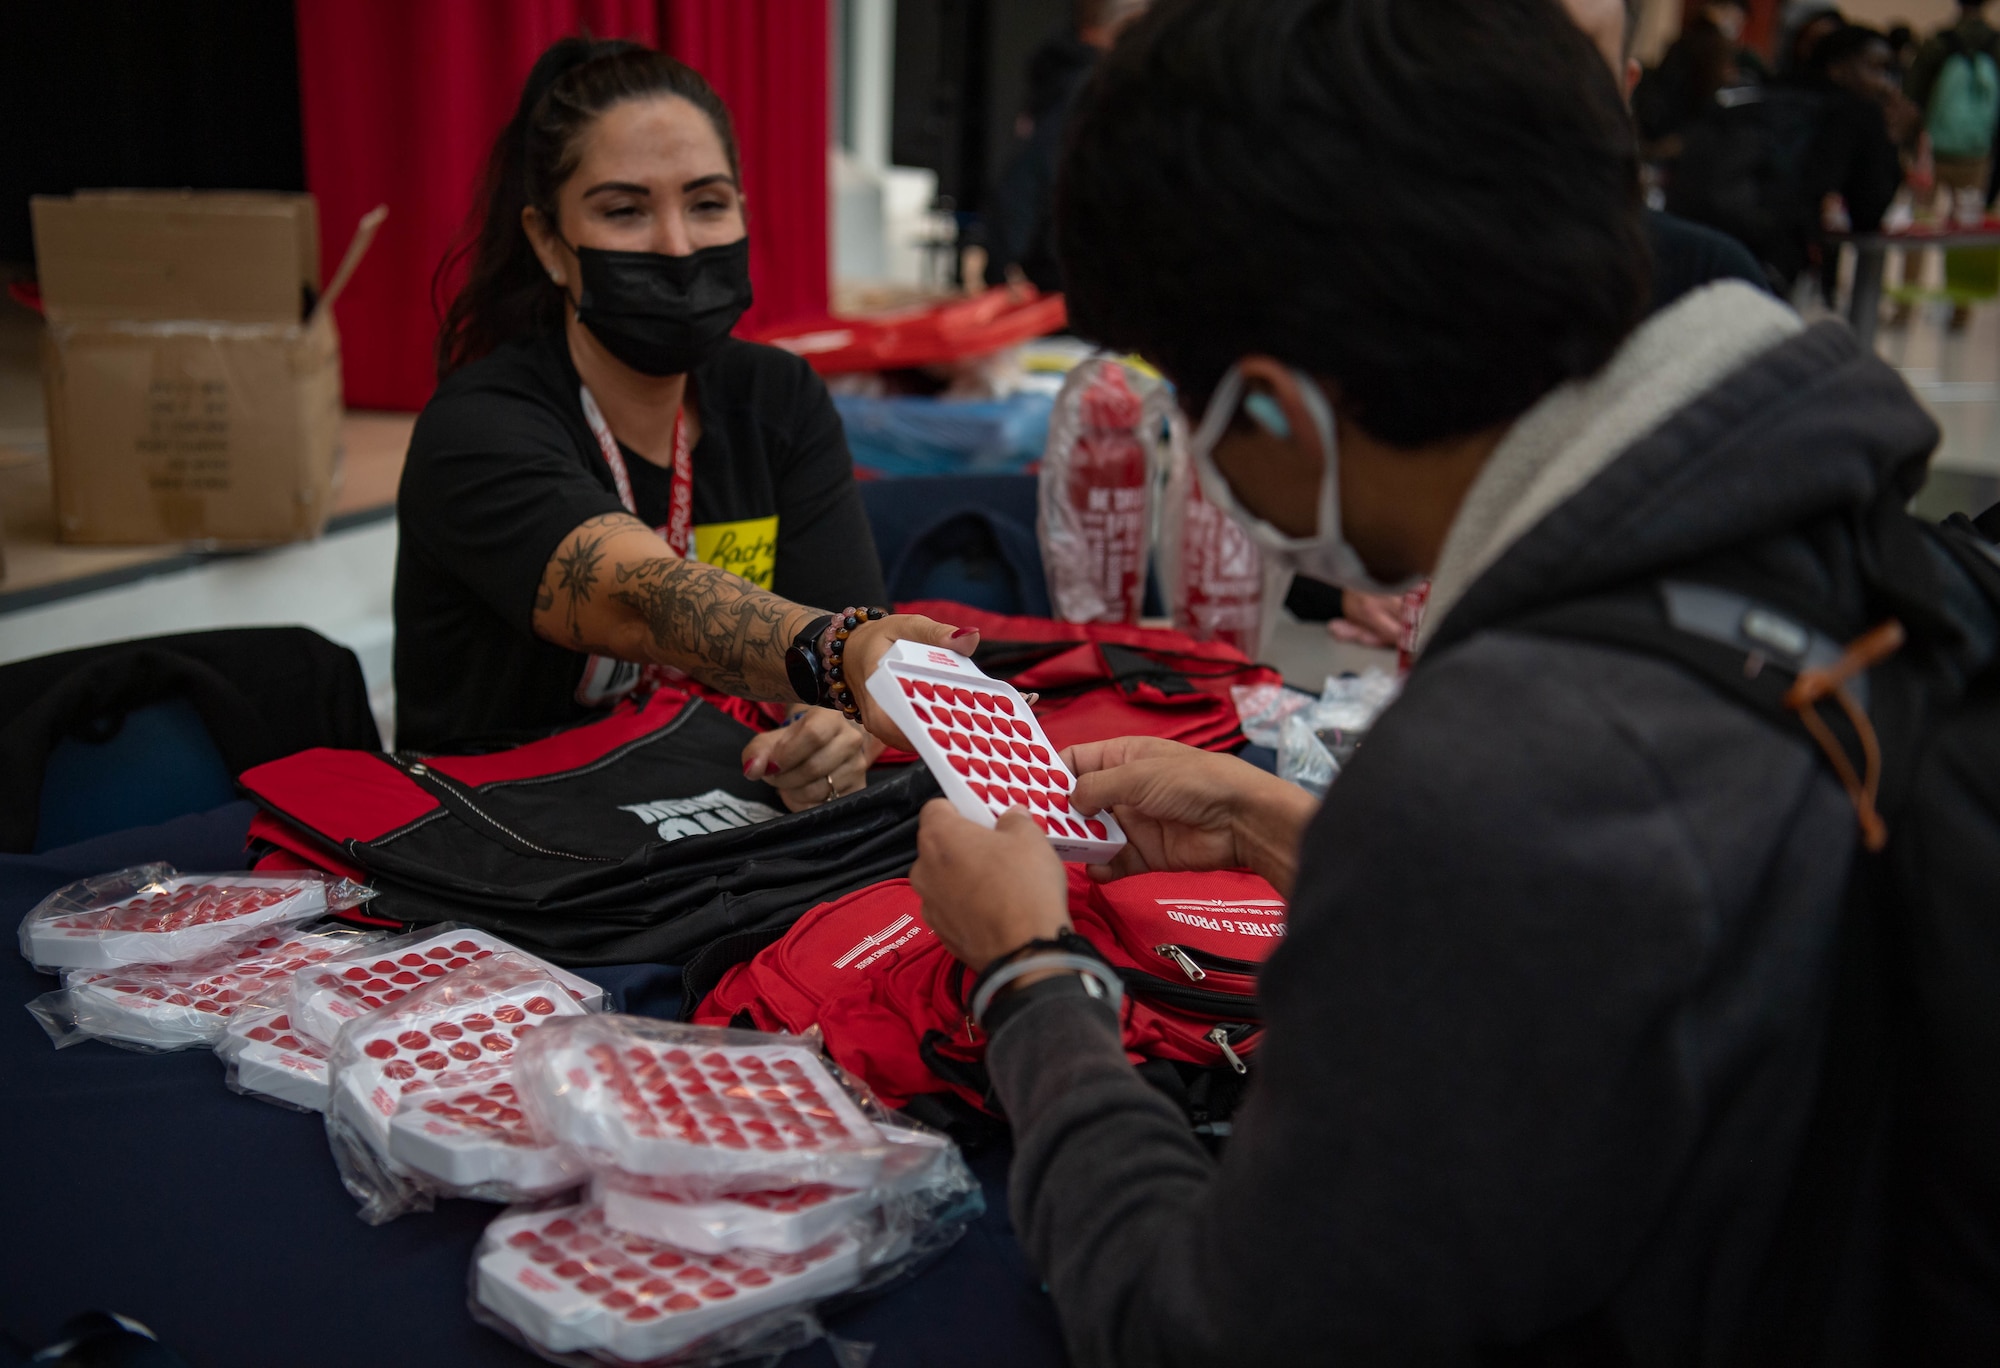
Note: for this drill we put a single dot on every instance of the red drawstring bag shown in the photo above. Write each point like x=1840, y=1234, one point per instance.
x=889, y=999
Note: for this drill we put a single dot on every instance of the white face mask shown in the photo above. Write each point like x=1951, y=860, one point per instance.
x=1326, y=554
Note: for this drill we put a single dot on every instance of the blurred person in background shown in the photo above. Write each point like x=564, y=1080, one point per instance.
x=1707, y=58
x=1804, y=23
x=1954, y=79
x=1855, y=165
x=1017, y=216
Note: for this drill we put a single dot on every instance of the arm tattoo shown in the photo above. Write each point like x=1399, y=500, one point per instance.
x=721, y=629
x=577, y=574
x=576, y=569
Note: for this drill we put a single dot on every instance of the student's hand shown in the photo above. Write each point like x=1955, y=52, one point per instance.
x=1188, y=809
x=869, y=642
x=816, y=757
x=987, y=892
x=1368, y=619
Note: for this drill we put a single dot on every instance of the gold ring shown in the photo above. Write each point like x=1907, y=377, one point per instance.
x=831, y=792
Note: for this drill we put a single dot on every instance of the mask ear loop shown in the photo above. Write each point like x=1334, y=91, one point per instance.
x=1329, y=456
x=1201, y=446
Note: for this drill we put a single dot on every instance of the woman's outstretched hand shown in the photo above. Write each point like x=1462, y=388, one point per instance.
x=1188, y=809
x=869, y=642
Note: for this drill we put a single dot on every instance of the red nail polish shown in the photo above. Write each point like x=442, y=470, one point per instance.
x=964, y=632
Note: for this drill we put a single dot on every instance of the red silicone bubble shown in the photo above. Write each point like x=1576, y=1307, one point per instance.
x=465, y=1049
x=1003, y=702
x=985, y=746
x=540, y=1006
x=927, y=690
x=909, y=687
x=981, y=768
x=1039, y=821
x=922, y=716
x=961, y=764
x=1039, y=753
x=1019, y=796
x=985, y=723
x=943, y=738
x=379, y=1049
x=432, y=1059
x=1097, y=829
x=1040, y=800
x=413, y=1040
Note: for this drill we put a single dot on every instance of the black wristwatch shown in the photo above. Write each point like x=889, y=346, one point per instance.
x=802, y=663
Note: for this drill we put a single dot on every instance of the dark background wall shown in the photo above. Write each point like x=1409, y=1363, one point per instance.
x=144, y=93
x=960, y=75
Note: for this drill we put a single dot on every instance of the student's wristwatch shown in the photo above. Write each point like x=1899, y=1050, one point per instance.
x=803, y=667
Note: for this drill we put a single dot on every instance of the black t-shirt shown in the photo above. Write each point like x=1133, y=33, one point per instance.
x=503, y=466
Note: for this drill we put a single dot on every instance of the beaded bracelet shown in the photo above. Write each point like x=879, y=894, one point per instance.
x=835, y=645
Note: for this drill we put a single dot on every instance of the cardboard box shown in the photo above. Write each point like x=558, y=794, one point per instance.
x=191, y=367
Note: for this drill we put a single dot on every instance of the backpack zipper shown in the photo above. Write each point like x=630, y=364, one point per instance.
x=1207, y=1002
x=1219, y=1037
x=1190, y=962
x=419, y=770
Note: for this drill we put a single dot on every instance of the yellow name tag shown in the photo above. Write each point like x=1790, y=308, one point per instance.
x=748, y=548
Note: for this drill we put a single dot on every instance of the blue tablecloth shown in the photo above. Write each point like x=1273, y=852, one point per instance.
x=139, y=1184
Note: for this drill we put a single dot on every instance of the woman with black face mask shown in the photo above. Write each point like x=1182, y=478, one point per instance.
x=607, y=484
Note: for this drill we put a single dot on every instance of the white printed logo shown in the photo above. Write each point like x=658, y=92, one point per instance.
x=894, y=936
x=1202, y=913
x=715, y=810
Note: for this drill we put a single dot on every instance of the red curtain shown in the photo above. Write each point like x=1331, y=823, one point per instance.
x=403, y=98
x=768, y=60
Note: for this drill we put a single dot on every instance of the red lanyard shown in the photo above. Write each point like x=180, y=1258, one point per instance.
x=679, y=528
x=604, y=678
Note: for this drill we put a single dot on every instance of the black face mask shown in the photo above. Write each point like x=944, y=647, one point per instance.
x=659, y=314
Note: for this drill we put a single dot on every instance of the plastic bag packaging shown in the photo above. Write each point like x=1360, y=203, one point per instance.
x=1315, y=741
x=702, y=1110
x=1261, y=709
x=1107, y=438
x=1216, y=580
x=1303, y=759
x=327, y=996
x=783, y=1221
x=151, y=914
x=574, y=1290
x=265, y=1057
x=180, y=1006
x=577, y=1289
x=450, y=1040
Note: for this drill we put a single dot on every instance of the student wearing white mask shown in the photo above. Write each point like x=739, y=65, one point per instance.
x=1541, y=1040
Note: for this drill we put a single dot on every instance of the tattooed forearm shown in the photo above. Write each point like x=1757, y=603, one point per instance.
x=719, y=628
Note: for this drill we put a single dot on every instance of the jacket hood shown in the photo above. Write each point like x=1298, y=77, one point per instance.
x=1809, y=429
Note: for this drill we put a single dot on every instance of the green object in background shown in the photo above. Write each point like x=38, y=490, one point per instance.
x=1971, y=274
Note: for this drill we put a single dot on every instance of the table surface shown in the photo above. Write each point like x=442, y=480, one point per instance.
x=143, y=1186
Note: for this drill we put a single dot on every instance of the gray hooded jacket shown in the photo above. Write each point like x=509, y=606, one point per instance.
x=1544, y=1034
